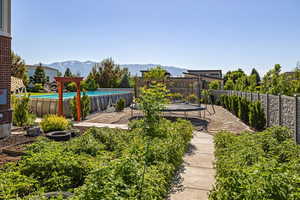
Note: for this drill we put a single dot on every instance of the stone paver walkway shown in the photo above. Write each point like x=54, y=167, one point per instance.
x=198, y=174
x=100, y=125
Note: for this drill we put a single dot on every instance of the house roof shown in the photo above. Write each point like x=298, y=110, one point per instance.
x=202, y=75
x=212, y=70
x=43, y=66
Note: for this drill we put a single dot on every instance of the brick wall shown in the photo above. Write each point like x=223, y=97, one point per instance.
x=5, y=73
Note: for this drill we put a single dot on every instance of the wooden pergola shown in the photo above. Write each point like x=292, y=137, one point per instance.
x=60, y=86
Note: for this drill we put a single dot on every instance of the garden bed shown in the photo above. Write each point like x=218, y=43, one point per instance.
x=101, y=164
x=262, y=165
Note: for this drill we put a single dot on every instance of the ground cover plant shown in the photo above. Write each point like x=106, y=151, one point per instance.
x=262, y=165
x=105, y=163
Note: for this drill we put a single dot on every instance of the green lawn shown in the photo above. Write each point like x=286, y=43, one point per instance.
x=36, y=93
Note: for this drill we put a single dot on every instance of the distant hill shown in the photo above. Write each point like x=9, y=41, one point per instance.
x=83, y=68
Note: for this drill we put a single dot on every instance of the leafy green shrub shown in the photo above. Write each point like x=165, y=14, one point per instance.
x=175, y=96
x=54, y=123
x=85, y=103
x=71, y=87
x=214, y=85
x=234, y=104
x=243, y=110
x=192, y=98
x=121, y=103
x=257, y=118
x=108, y=163
x=262, y=165
x=13, y=184
x=21, y=112
x=249, y=112
x=38, y=87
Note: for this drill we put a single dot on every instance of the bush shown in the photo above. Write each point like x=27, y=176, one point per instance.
x=14, y=184
x=214, y=85
x=249, y=112
x=108, y=163
x=120, y=105
x=71, y=87
x=21, y=112
x=54, y=123
x=257, y=118
x=85, y=103
x=262, y=165
x=38, y=87
x=175, y=96
x=243, y=112
x=192, y=98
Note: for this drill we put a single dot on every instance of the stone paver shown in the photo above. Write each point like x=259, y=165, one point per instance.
x=101, y=125
x=198, y=174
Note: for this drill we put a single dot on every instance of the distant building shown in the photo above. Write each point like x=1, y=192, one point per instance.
x=49, y=71
x=5, y=66
x=207, y=73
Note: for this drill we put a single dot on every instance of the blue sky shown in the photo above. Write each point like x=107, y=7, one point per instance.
x=195, y=34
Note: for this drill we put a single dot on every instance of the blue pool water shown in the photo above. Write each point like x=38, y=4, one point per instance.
x=68, y=95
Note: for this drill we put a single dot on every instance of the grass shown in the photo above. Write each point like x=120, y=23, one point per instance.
x=36, y=93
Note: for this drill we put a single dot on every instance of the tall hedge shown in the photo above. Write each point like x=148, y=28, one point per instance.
x=250, y=113
x=257, y=118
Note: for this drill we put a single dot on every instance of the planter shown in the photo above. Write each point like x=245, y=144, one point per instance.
x=33, y=131
x=75, y=132
x=59, y=135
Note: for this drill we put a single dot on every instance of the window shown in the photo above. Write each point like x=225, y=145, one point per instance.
x=1, y=14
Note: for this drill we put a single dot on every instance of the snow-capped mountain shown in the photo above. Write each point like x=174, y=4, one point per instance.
x=83, y=68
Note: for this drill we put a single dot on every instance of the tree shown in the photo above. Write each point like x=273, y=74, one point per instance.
x=214, y=85
x=234, y=75
x=18, y=68
x=252, y=80
x=274, y=82
x=68, y=73
x=255, y=72
x=125, y=81
x=156, y=73
x=241, y=83
x=229, y=85
x=39, y=76
x=108, y=74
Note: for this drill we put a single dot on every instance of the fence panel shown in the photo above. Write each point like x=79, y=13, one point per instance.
x=288, y=112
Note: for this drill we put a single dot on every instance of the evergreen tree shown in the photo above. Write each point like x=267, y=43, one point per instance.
x=234, y=75
x=18, y=68
x=255, y=72
x=39, y=76
x=125, y=81
x=68, y=73
x=108, y=74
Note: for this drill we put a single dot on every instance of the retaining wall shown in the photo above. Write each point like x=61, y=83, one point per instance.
x=41, y=107
x=279, y=110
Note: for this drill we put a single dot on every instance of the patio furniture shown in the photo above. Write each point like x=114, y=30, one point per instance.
x=181, y=107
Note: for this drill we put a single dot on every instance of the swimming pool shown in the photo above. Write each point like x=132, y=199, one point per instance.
x=68, y=95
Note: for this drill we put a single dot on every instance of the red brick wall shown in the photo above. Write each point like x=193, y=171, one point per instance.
x=5, y=73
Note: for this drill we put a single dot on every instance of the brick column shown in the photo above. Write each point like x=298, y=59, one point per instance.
x=5, y=83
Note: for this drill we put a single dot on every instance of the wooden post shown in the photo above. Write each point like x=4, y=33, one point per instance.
x=60, y=98
x=78, y=106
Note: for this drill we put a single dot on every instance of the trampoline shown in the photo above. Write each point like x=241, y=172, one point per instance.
x=181, y=107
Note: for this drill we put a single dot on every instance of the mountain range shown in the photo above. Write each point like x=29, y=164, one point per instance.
x=83, y=68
